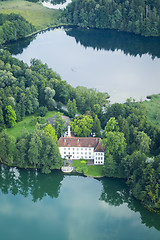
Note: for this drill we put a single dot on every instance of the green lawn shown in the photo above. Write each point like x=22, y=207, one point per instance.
x=28, y=124
x=89, y=170
x=41, y=17
x=153, y=109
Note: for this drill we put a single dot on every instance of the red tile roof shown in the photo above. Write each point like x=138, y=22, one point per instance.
x=81, y=142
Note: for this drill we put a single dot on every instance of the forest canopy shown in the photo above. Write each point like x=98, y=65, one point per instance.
x=14, y=26
x=137, y=16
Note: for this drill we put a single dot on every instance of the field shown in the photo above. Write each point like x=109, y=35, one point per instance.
x=41, y=17
x=153, y=109
x=28, y=124
x=89, y=170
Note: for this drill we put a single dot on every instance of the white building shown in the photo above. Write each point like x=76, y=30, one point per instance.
x=87, y=148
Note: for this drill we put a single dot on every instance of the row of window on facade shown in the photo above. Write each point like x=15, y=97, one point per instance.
x=78, y=153
x=99, y=162
x=79, y=157
x=85, y=149
x=99, y=158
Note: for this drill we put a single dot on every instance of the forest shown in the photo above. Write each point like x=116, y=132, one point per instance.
x=14, y=26
x=137, y=16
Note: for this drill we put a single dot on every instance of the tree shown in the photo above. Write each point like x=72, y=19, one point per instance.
x=59, y=125
x=96, y=126
x=115, y=144
x=42, y=111
x=49, y=94
x=143, y=142
x=10, y=116
x=82, y=125
x=7, y=147
x=72, y=108
x=1, y=120
x=110, y=165
x=112, y=126
x=51, y=132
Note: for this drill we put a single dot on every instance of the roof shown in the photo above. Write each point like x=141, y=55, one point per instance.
x=81, y=142
x=51, y=120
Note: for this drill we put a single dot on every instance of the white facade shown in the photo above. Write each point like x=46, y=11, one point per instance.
x=98, y=158
x=86, y=153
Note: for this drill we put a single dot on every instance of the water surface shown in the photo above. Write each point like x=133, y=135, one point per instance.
x=69, y=207
x=122, y=64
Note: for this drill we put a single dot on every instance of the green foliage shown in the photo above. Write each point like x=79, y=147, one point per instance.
x=143, y=142
x=13, y=27
x=7, y=147
x=59, y=125
x=51, y=132
x=10, y=116
x=112, y=125
x=96, y=126
x=72, y=108
x=115, y=144
x=82, y=125
x=140, y=17
x=42, y=111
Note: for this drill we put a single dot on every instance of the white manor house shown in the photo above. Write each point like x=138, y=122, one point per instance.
x=87, y=148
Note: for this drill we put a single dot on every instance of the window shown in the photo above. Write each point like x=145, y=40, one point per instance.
x=85, y=156
x=85, y=149
x=86, y=153
x=89, y=156
x=89, y=149
x=90, y=153
x=81, y=152
x=64, y=152
x=73, y=152
x=77, y=148
x=68, y=148
x=96, y=161
x=98, y=153
x=101, y=153
x=101, y=162
x=101, y=158
x=64, y=148
x=77, y=153
x=73, y=148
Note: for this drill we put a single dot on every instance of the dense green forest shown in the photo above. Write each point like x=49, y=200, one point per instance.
x=137, y=16
x=13, y=27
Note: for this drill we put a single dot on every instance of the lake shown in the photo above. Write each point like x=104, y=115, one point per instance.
x=69, y=207
x=122, y=64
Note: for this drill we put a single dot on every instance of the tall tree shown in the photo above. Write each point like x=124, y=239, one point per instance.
x=82, y=125
x=72, y=108
x=10, y=116
x=59, y=125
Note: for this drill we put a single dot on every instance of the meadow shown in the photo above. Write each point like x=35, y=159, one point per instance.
x=41, y=17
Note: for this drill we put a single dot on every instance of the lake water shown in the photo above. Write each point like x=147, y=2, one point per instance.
x=69, y=207
x=122, y=64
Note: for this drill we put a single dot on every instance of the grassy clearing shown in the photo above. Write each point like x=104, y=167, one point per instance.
x=41, y=17
x=153, y=109
x=89, y=170
x=28, y=123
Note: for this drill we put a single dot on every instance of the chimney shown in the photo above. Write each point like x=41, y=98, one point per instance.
x=69, y=131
